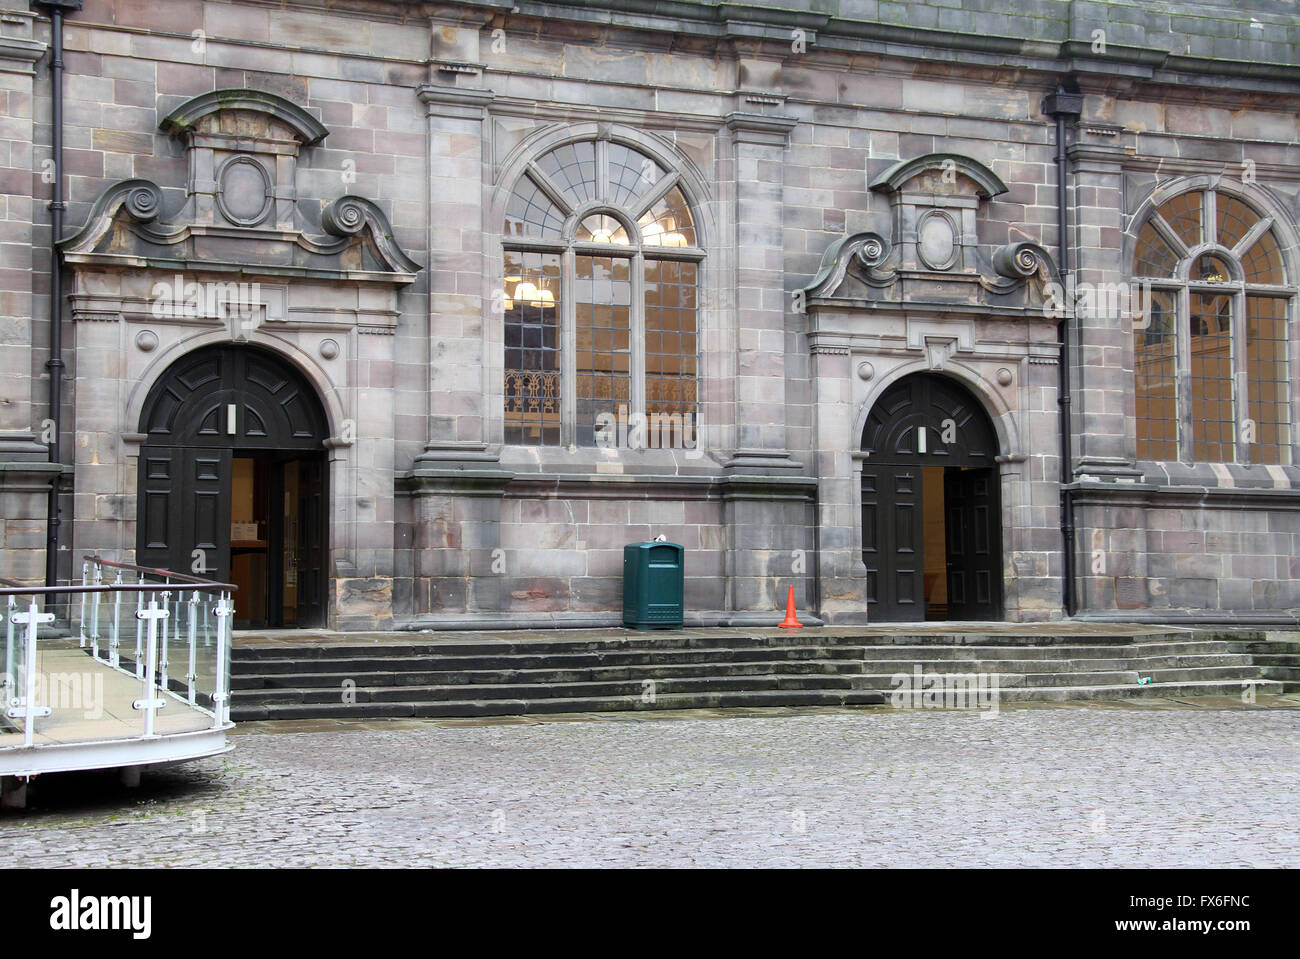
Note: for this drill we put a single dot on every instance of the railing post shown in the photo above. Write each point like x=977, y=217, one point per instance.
x=94, y=612
x=149, y=702
x=29, y=722
x=190, y=675
x=27, y=708
x=139, y=631
x=162, y=652
x=81, y=620
x=115, y=641
x=10, y=675
x=220, y=697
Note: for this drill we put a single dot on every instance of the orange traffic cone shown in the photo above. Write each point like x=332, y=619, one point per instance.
x=791, y=621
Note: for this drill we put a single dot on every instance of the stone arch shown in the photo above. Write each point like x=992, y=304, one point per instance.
x=291, y=401
x=995, y=407
x=188, y=115
x=987, y=183
x=233, y=475
x=325, y=390
x=932, y=515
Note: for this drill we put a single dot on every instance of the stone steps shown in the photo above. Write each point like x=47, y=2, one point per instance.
x=1277, y=660
x=361, y=679
x=656, y=642
x=705, y=684
x=519, y=707
x=708, y=700
x=490, y=677
x=352, y=661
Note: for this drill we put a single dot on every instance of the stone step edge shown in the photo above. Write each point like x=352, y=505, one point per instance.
x=668, y=640
x=1015, y=681
x=482, y=653
x=539, y=673
x=669, y=701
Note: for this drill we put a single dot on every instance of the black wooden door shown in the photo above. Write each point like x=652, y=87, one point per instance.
x=210, y=405
x=311, y=541
x=184, y=511
x=973, y=544
x=892, y=543
x=927, y=420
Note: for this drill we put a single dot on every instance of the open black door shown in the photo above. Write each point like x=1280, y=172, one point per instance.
x=973, y=544
x=225, y=427
x=310, y=571
x=929, y=424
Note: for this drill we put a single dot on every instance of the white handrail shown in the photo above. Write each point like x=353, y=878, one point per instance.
x=32, y=683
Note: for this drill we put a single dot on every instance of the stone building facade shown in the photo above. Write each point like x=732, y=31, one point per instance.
x=413, y=314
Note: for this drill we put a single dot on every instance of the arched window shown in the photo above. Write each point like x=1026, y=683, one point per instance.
x=601, y=263
x=1210, y=365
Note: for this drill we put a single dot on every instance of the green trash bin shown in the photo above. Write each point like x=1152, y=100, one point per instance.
x=653, y=585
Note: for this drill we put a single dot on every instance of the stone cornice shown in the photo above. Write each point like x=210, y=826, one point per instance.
x=1061, y=41
x=1111, y=495
x=463, y=102
x=18, y=55
x=586, y=113
x=618, y=486
x=760, y=128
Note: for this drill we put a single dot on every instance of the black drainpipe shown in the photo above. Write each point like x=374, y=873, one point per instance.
x=1062, y=105
x=55, y=9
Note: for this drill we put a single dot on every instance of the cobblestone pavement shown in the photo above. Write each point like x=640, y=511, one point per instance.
x=1096, y=785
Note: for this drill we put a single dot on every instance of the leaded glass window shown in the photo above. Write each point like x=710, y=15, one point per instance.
x=601, y=274
x=1210, y=361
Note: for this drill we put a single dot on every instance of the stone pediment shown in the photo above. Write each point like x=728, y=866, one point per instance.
x=243, y=113
x=862, y=269
x=940, y=174
x=242, y=212
x=125, y=230
x=933, y=257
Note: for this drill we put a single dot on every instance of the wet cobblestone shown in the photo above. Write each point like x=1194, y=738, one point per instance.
x=1080, y=786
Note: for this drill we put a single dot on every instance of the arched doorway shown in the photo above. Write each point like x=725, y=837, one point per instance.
x=931, y=511
x=232, y=480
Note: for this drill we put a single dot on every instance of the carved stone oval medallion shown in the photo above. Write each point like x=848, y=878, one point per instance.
x=243, y=191
x=936, y=243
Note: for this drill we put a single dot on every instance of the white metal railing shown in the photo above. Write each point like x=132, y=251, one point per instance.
x=45, y=680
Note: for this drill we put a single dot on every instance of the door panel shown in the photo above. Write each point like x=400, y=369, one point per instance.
x=186, y=507
x=311, y=541
x=871, y=538
x=891, y=538
x=974, y=556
